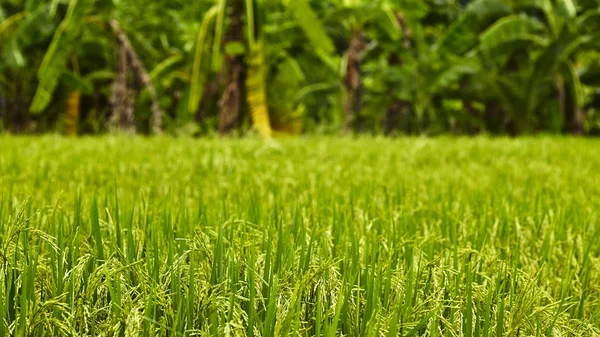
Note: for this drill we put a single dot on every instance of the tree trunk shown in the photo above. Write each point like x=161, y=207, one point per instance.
x=470, y=109
x=209, y=96
x=353, y=81
x=493, y=117
x=233, y=70
x=17, y=112
x=3, y=111
x=394, y=114
x=142, y=74
x=573, y=116
x=399, y=109
x=72, y=113
x=122, y=96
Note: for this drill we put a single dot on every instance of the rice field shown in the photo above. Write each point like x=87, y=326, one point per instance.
x=302, y=237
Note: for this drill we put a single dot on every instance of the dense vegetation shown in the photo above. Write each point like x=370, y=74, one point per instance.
x=410, y=237
x=375, y=66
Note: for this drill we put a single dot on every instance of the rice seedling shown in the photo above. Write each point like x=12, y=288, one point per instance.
x=305, y=237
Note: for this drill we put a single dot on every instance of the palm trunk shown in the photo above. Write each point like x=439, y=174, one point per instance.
x=72, y=113
x=353, y=81
x=234, y=68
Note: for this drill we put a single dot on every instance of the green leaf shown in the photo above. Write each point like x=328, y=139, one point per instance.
x=591, y=76
x=216, y=56
x=310, y=24
x=31, y=5
x=100, y=75
x=14, y=55
x=589, y=21
x=511, y=29
x=487, y=8
x=165, y=65
x=197, y=73
x=53, y=66
x=574, y=83
x=78, y=83
x=414, y=9
x=55, y=59
x=566, y=8
x=546, y=7
x=96, y=232
x=389, y=23
x=450, y=76
x=463, y=34
x=235, y=48
x=36, y=27
x=7, y=25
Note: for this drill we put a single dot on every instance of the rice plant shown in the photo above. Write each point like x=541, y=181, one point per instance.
x=305, y=237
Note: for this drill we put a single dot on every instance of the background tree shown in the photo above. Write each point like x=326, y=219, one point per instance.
x=283, y=66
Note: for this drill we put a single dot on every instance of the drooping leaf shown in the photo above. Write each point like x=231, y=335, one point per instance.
x=311, y=25
x=461, y=36
x=463, y=33
x=450, y=76
x=546, y=64
x=164, y=66
x=31, y=5
x=294, y=66
x=9, y=24
x=589, y=22
x=544, y=6
x=12, y=55
x=512, y=29
x=100, y=75
x=574, y=83
x=219, y=26
x=55, y=59
x=414, y=9
x=77, y=83
x=197, y=73
x=52, y=68
x=36, y=27
x=566, y=8
x=389, y=23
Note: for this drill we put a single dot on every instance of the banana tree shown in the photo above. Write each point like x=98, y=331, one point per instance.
x=239, y=50
x=23, y=28
x=84, y=21
x=358, y=26
x=414, y=77
x=526, y=59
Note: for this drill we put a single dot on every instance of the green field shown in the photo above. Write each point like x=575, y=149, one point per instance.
x=303, y=237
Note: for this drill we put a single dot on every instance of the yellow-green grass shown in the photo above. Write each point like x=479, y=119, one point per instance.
x=303, y=237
